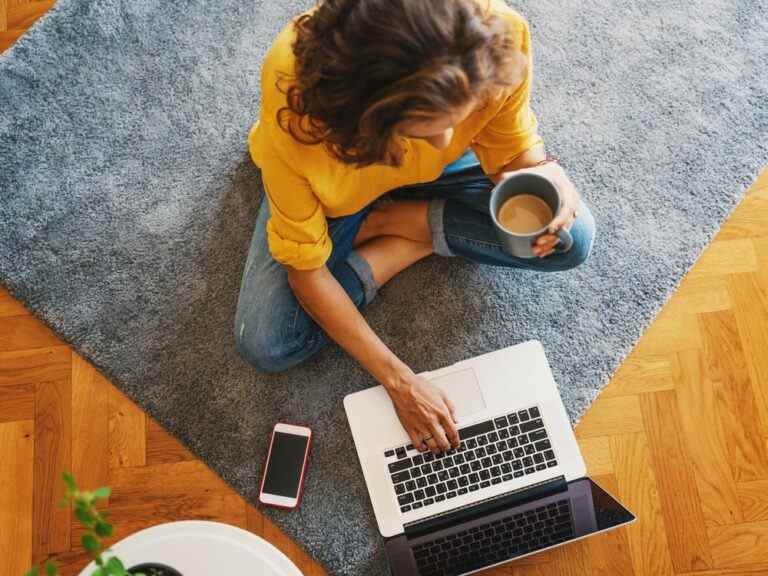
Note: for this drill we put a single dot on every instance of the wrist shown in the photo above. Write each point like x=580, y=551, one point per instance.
x=394, y=374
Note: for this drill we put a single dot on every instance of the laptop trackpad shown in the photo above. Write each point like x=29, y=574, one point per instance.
x=463, y=389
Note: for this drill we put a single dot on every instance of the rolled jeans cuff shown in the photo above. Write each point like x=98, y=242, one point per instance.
x=364, y=272
x=435, y=212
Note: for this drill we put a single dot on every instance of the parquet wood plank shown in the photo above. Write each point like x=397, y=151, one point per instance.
x=638, y=491
x=9, y=306
x=749, y=219
x=736, y=406
x=16, y=494
x=597, y=454
x=25, y=15
x=726, y=257
x=740, y=545
x=609, y=552
x=162, y=448
x=700, y=294
x=705, y=444
x=679, y=497
x=25, y=333
x=53, y=457
x=90, y=425
x=127, y=432
x=3, y=15
x=753, y=499
x=17, y=402
x=36, y=365
x=608, y=416
x=639, y=374
x=749, y=293
x=672, y=331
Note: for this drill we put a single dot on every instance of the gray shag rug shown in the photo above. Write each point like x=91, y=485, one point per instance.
x=127, y=201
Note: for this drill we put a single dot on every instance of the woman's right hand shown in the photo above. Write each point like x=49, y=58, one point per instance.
x=425, y=412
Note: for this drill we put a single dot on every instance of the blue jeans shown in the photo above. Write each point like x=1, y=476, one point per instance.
x=274, y=333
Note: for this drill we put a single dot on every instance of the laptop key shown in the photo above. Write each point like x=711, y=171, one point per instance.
x=419, y=494
x=458, y=459
x=464, y=468
x=415, y=472
x=497, y=459
x=506, y=468
x=484, y=474
x=405, y=509
x=507, y=477
x=471, y=443
x=451, y=495
x=453, y=472
x=491, y=449
x=463, y=480
x=501, y=446
x=513, y=418
x=389, y=453
x=522, y=439
x=482, y=440
x=439, y=498
x=487, y=463
x=534, y=412
x=426, y=468
x=447, y=462
x=518, y=473
x=529, y=470
x=493, y=437
x=531, y=425
x=430, y=491
x=475, y=465
x=437, y=465
x=429, y=501
x=474, y=487
x=421, y=482
x=541, y=466
x=549, y=455
x=495, y=471
x=432, y=478
x=399, y=465
x=496, y=480
x=537, y=435
x=518, y=452
x=527, y=461
x=485, y=484
x=411, y=485
x=401, y=477
x=480, y=452
x=543, y=445
x=512, y=442
x=404, y=499
x=530, y=449
x=452, y=485
x=400, y=488
x=538, y=458
x=442, y=475
x=441, y=488
x=508, y=455
x=551, y=463
x=474, y=478
x=469, y=456
x=417, y=505
x=428, y=456
x=461, y=491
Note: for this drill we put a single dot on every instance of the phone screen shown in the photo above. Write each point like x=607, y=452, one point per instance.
x=285, y=463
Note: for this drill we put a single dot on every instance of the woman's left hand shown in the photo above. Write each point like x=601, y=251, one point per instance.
x=546, y=243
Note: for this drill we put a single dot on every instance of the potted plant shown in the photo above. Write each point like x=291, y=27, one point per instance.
x=96, y=529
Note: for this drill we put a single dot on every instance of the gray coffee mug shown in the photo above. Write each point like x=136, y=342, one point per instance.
x=521, y=245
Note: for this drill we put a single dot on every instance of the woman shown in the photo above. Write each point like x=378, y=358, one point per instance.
x=427, y=102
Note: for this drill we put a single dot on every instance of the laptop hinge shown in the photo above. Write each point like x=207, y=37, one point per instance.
x=476, y=509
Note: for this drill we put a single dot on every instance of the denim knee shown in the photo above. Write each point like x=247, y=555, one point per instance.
x=266, y=347
x=583, y=232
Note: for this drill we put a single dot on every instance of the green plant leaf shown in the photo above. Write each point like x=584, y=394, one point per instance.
x=103, y=529
x=69, y=480
x=99, y=572
x=103, y=492
x=34, y=571
x=115, y=566
x=84, y=515
x=51, y=568
x=90, y=543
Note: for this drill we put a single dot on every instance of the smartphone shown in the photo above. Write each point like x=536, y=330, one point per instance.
x=286, y=464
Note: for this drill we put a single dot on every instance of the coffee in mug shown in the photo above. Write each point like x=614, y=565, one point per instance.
x=524, y=214
x=521, y=208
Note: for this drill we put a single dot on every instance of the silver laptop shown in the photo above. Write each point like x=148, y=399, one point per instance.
x=516, y=485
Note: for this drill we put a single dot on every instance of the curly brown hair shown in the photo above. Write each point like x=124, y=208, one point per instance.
x=364, y=66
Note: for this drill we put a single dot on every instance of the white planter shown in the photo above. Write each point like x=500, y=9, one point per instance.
x=197, y=548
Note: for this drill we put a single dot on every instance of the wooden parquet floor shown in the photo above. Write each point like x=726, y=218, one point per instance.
x=680, y=434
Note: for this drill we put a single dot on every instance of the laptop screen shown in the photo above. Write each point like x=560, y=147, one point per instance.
x=509, y=533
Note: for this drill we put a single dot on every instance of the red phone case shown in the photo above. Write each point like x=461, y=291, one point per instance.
x=303, y=468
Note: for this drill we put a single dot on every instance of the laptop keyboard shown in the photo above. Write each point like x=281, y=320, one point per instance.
x=491, y=452
x=496, y=541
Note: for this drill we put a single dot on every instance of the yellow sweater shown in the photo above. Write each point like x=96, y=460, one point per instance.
x=304, y=184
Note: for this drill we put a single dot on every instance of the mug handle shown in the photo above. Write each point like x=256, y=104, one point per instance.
x=566, y=241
